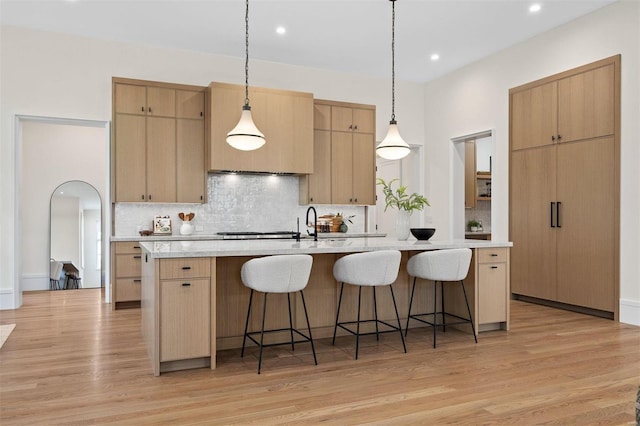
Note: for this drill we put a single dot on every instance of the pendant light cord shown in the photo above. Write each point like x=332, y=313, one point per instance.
x=246, y=61
x=393, y=61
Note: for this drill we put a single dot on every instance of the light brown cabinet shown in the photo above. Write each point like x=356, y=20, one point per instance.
x=344, y=159
x=493, y=286
x=159, y=142
x=178, y=312
x=126, y=272
x=564, y=191
x=284, y=117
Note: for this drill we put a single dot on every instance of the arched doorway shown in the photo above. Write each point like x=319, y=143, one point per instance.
x=76, y=235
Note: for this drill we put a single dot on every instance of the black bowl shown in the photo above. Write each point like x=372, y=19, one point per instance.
x=423, y=233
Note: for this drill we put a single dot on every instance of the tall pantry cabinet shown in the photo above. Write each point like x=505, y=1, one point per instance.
x=564, y=187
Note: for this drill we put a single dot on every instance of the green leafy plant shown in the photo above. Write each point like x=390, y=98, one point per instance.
x=473, y=224
x=345, y=218
x=399, y=198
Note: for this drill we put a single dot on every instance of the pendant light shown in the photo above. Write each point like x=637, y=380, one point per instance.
x=246, y=136
x=393, y=147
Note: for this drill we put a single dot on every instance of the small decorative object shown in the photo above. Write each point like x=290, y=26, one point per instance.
x=473, y=225
x=161, y=225
x=341, y=220
x=187, y=226
x=423, y=233
x=405, y=204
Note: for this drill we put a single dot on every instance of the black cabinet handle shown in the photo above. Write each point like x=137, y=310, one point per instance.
x=202, y=198
x=186, y=284
x=201, y=114
x=137, y=281
x=137, y=257
x=553, y=204
x=150, y=109
x=149, y=196
x=136, y=246
x=142, y=196
x=558, y=214
x=186, y=268
x=494, y=267
x=142, y=109
x=559, y=137
x=494, y=254
x=553, y=138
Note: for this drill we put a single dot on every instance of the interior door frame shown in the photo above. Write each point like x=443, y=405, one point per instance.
x=20, y=120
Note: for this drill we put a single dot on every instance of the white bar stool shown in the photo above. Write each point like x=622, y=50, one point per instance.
x=277, y=274
x=445, y=266
x=376, y=268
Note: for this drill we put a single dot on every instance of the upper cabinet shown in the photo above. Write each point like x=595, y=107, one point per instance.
x=159, y=142
x=284, y=117
x=344, y=155
x=570, y=108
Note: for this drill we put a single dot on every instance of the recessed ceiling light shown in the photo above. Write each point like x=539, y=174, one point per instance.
x=435, y=57
x=281, y=30
x=535, y=8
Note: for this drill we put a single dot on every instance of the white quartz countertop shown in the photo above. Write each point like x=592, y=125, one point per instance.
x=206, y=237
x=225, y=248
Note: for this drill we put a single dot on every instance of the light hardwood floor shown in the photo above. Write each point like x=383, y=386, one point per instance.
x=72, y=360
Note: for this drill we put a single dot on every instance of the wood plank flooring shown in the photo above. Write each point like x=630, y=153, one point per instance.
x=72, y=360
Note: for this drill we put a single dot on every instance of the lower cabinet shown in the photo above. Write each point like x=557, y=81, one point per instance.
x=127, y=280
x=492, y=273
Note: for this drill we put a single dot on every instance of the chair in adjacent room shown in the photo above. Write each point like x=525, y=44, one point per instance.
x=73, y=279
x=277, y=274
x=370, y=269
x=55, y=270
x=444, y=266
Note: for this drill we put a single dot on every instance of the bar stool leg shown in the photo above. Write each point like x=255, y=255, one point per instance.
x=358, y=323
x=246, y=325
x=435, y=310
x=444, y=321
x=290, y=322
x=375, y=311
x=313, y=348
x=473, y=329
x=413, y=289
x=335, y=328
x=395, y=307
x=264, y=311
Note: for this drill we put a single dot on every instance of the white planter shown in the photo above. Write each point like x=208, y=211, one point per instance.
x=186, y=228
x=402, y=225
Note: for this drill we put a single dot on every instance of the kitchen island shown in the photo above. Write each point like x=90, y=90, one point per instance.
x=194, y=303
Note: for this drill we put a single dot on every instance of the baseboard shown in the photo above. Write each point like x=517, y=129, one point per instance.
x=630, y=311
x=34, y=282
x=7, y=300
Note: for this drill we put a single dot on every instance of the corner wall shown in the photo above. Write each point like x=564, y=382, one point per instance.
x=476, y=98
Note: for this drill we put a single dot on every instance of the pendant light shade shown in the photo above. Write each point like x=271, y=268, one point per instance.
x=246, y=136
x=393, y=147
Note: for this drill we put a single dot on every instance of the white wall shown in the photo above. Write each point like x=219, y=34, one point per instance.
x=475, y=98
x=53, y=75
x=91, y=271
x=53, y=154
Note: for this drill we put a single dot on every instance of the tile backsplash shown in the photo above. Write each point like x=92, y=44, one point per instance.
x=236, y=203
x=481, y=212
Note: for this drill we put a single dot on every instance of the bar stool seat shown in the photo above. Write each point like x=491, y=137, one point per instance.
x=450, y=265
x=277, y=274
x=370, y=269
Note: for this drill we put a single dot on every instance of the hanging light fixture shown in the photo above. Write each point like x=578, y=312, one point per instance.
x=246, y=136
x=393, y=147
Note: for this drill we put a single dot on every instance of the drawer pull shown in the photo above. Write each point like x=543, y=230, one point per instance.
x=136, y=246
x=137, y=281
x=494, y=267
x=494, y=255
x=186, y=268
x=186, y=284
x=138, y=256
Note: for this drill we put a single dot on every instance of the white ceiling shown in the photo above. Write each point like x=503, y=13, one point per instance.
x=342, y=35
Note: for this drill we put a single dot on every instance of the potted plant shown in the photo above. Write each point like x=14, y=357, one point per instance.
x=342, y=221
x=404, y=202
x=473, y=225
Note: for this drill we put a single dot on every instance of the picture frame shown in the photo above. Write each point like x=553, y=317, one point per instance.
x=162, y=225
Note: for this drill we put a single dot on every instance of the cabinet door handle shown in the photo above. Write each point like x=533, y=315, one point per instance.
x=355, y=127
x=351, y=200
x=202, y=198
x=186, y=268
x=559, y=137
x=142, y=108
x=553, y=204
x=494, y=267
x=137, y=256
x=553, y=138
x=149, y=196
x=186, y=284
x=136, y=246
x=201, y=114
x=558, y=214
x=142, y=196
x=494, y=254
x=150, y=110
x=137, y=281
x=311, y=199
x=350, y=126
x=355, y=200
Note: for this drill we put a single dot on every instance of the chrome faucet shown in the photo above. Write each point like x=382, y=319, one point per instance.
x=314, y=234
